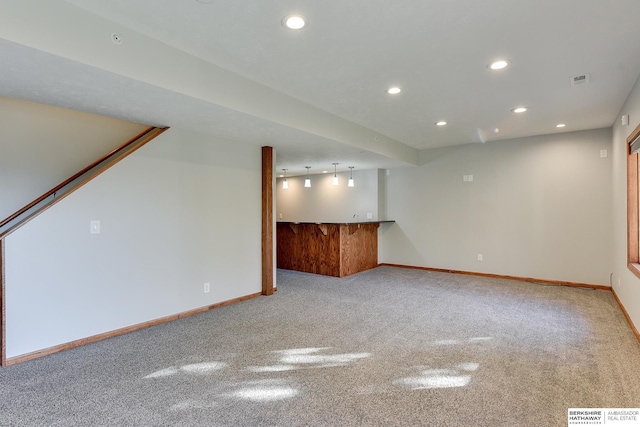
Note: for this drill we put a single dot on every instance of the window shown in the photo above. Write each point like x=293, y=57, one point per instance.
x=633, y=199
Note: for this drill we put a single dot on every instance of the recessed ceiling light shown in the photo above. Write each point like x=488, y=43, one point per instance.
x=519, y=109
x=441, y=123
x=560, y=125
x=325, y=171
x=293, y=22
x=394, y=90
x=499, y=65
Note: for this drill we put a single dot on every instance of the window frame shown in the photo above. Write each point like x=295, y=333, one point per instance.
x=633, y=214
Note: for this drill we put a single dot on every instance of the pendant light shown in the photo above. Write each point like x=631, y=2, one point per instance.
x=350, y=183
x=335, y=176
x=285, y=184
x=307, y=181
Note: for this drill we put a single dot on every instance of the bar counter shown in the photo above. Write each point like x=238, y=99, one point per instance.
x=329, y=248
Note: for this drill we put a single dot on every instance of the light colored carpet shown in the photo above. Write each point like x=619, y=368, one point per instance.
x=387, y=347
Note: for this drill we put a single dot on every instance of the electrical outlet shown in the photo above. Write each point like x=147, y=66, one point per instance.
x=207, y=288
x=480, y=257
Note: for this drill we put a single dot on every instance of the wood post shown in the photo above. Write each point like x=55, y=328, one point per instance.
x=267, y=220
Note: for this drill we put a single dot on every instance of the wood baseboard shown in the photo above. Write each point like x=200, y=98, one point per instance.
x=501, y=276
x=122, y=331
x=626, y=315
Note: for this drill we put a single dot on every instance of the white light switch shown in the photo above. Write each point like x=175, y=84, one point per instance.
x=480, y=257
x=369, y=215
x=94, y=227
x=603, y=154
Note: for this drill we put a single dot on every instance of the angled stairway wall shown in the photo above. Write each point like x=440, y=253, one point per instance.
x=182, y=211
x=43, y=145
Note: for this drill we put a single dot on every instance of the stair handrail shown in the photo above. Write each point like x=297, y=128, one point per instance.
x=54, y=190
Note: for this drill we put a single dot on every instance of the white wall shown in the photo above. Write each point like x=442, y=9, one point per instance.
x=537, y=207
x=183, y=210
x=628, y=289
x=324, y=202
x=42, y=145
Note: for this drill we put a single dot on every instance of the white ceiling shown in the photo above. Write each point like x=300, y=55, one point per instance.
x=334, y=72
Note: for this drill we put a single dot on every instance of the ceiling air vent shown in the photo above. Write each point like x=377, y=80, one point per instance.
x=582, y=79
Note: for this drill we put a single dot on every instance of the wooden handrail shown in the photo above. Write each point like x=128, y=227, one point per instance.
x=79, y=174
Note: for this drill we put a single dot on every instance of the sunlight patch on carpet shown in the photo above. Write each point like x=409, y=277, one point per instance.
x=309, y=356
x=167, y=372
x=265, y=391
x=274, y=368
x=457, y=342
x=439, y=378
x=204, y=368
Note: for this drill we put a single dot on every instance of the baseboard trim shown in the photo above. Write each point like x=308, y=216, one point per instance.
x=626, y=315
x=501, y=276
x=121, y=331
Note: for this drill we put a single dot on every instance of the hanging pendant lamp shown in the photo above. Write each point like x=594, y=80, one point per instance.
x=307, y=181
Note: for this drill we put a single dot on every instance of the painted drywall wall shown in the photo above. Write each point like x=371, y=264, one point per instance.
x=324, y=202
x=42, y=145
x=625, y=284
x=537, y=207
x=182, y=211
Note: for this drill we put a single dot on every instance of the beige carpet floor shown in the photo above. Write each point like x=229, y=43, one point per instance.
x=387, y=347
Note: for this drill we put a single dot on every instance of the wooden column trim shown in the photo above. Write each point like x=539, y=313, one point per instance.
x=267, y=220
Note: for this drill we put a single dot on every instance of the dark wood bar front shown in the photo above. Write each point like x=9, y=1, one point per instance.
x=330, y=249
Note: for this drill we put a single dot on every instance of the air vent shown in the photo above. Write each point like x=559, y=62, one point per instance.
x=582, y=79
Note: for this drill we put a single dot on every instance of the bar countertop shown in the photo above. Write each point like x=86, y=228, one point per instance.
x=336, y=249
x=338, y=223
